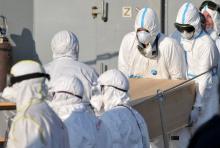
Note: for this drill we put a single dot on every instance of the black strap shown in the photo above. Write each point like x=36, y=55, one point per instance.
x=66, y=92
x=16, y=79
x=115, y=88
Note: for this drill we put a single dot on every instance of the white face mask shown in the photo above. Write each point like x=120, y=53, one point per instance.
x=144, y=37
x=97, y=102
x=187, y=35
x=96, y=99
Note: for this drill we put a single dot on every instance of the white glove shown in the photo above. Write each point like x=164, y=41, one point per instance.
x=9, y=94
x=194, y=116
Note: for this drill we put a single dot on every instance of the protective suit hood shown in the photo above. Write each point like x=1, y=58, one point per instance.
x=114, y=78
x=67, y=96
x=65, y=44
x=147, y=19
x=189, y=14
x=215, y=17
x=27, y=90
x=68, y=84
x=112, y=96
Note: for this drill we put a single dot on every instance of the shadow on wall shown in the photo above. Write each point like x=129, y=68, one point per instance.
x=105, y=56
x=24, y=48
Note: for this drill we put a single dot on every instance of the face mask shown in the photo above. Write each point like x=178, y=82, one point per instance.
x=144, y=37
x=96, y=99
x=97, y=102
x=187, y=35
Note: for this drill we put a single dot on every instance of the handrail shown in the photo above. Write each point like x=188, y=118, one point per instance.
x=2, y=140
x=7, y=106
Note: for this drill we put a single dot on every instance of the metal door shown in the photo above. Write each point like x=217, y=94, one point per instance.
x=120, y=21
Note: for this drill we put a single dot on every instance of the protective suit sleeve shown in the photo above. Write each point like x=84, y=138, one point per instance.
x=144, y=130
x=123, y=64
x=175, y=60
x=204, y=82
x=26, y=133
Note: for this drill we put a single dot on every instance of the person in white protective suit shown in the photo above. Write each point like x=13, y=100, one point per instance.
x=85, y=130
x=201, y=56
x=35, y=125
x=127, y=127
x=211, y=12
x=65, y=48
x=148, y=53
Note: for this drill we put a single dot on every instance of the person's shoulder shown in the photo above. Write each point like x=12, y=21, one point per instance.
x=87, y=68
x=205, y=39
x=166, y=40
x=167, y=44
x=205, y=42
x=47, y=66
x=129, y=35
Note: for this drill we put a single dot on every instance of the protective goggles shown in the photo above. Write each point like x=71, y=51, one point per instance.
x=11, y=80
x=142, y=29
x=98, y=89
x=184, y=27
x=211, y=5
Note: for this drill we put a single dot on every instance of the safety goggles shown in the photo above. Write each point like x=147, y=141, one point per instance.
x=11, y=80
x=142, y=29
x=99, y=89
x=184, y=27
x=211, y=5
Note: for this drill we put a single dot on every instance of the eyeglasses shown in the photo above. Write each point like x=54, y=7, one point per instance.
x=184, y=27
x=211, y=5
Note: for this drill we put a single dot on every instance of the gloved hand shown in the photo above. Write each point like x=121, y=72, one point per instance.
x=136, y=76
x=195, y=113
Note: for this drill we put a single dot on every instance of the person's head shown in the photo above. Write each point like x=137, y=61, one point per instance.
x=67, y=87
x=65, y=44
x=211, y=11
x=111, y=90
x=188, y=21
x=147, y=28
x=207, y=136
x=26, y=82
x=208, y=20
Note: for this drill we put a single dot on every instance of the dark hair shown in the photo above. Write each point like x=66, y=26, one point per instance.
x=207, y=136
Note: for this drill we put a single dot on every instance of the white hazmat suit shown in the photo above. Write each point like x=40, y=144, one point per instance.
x=84, y=129
x=65, y=48
x=127, y=128
x=215, y=31
x=166, y=65
x=200, y=57
x=35, y=125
